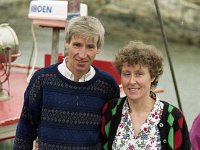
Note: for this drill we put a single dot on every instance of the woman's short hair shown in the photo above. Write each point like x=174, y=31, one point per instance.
x=136, y=52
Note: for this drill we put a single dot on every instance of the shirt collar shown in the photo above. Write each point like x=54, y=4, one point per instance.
x=62, y=68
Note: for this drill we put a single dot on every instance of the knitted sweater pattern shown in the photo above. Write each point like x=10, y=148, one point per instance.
x=63, y=114
x=172, y=126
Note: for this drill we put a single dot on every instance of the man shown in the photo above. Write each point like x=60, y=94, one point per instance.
x=63, y=102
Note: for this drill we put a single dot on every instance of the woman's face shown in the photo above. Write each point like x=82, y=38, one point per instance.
x=136, y=81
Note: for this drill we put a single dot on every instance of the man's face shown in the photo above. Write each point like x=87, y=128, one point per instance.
x=81, y=53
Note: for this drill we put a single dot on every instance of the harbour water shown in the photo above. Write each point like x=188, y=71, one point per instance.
x=185, y=60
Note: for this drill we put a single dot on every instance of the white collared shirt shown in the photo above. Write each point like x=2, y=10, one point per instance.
x=62, y=68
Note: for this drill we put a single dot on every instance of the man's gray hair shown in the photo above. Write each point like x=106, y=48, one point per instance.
x=87, y=26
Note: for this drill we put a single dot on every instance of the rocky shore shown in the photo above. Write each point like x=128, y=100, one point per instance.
x=139, y=18
x=130, y=18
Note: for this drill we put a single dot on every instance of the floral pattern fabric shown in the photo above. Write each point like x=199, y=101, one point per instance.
x=148, y=137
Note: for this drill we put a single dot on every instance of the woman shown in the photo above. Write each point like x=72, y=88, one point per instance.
x=140, y=120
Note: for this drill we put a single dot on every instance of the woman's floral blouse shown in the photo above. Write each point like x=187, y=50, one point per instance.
x=148, y=137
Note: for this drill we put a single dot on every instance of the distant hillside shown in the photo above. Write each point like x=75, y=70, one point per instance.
x=138, y=18
x=129, y=18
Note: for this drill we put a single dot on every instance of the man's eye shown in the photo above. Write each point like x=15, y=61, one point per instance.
x=77, y=44
x=90, y=46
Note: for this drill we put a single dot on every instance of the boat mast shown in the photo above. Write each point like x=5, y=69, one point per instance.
x=55, y=45
x=168, y=54
x=73, y=10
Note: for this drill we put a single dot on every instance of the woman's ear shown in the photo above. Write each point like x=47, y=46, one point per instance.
x=152, y=80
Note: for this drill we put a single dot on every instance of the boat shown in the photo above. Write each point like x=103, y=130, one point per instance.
x=10, y=98
x=13, y=78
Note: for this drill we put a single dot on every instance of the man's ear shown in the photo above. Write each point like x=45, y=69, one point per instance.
x=99, y=51
x=66, y=45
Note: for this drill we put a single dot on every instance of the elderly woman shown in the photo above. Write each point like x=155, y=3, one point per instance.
x=140, y=120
